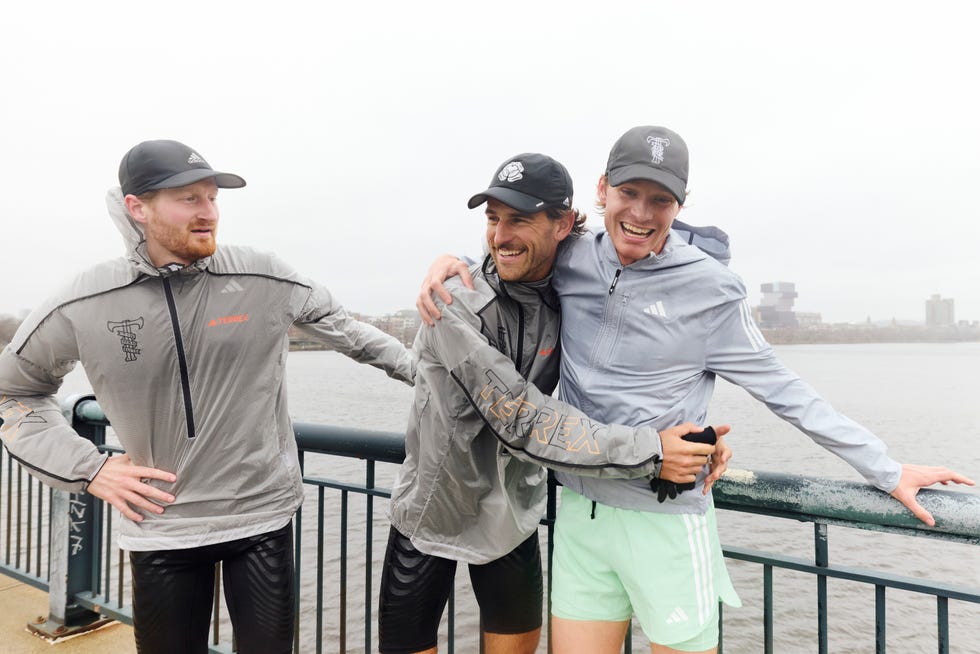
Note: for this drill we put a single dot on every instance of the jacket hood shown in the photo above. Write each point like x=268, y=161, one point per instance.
x=131, y=231
x=134, y=239
x=710, y=240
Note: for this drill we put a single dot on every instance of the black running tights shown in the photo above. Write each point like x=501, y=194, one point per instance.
x=173, y=591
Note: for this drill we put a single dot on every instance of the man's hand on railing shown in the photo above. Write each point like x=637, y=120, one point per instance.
x=916, y=477
x=120, y=483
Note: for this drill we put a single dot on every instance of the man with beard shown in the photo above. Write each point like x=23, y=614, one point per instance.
x=483, y=423
x=184, y=343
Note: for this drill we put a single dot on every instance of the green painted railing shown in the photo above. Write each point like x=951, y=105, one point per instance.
x=63, y=543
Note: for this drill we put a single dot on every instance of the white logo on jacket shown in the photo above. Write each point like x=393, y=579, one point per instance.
x=656, y=309
x=658, y=148
x=232, y=287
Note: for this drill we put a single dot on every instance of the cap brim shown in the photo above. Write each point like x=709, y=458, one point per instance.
x=673, y=183
x=514, y=199
x=223, y=180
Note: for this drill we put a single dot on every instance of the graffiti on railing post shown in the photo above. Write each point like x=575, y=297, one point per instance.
x=77, y=511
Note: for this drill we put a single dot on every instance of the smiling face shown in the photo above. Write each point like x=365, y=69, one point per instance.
x=523, y=245
x=180, y=224
x=639, y=214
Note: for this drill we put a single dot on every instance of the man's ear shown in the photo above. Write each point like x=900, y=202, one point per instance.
x=136, y=208
x=565, y=224
x=601, y=188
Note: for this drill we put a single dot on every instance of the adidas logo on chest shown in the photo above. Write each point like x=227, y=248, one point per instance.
x=233, y=287
x=656, y=310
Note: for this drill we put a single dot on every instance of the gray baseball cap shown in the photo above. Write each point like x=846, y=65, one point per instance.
x=653, y=153
x=153, y=165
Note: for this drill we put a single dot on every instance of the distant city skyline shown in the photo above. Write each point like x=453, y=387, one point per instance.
x=777, y=308
x=758, y=294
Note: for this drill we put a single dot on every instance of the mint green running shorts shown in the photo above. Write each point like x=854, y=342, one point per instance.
x=666, y=568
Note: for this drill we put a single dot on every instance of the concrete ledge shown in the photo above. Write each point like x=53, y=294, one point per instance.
x=21, y=604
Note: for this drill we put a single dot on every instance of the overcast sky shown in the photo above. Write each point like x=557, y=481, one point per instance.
x=838, y=143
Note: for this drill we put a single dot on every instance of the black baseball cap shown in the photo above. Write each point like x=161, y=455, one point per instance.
x=529, y=183
x=154, y=165
x=652, y=153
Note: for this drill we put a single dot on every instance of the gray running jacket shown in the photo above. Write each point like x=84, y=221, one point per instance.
x=188, y=364
x=483, y=423
x=641, y=345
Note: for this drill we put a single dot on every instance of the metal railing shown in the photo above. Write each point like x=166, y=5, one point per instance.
x=828, y=503
x=63, y=543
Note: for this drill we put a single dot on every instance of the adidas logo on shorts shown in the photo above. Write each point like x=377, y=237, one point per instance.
x=677, y=615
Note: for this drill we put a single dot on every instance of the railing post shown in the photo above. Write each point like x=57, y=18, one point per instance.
x=75, y=547
x=942, y=614
x=369, y=539
x=822, y=559
x=768, y=630
x=880, y=620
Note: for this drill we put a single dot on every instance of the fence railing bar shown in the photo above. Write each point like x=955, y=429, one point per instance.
x=786, y=496
x=855, y=574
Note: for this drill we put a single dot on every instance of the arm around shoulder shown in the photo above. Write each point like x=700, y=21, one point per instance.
x=534, y=426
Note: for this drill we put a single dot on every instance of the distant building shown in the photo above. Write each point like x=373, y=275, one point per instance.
x=939, y=311
x=402, y=324
x=406, y=319
x=776, y=308
x=809, y=319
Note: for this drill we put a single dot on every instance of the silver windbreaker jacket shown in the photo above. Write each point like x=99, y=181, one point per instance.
x=483, y=422
x=188, y=364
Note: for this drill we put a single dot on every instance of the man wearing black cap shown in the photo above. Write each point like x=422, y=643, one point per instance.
x=184, y=343
x=472, y=488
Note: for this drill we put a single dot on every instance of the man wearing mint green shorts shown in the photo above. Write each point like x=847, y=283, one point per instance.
x=666, y=568
x=655, y=320
x=650, y=316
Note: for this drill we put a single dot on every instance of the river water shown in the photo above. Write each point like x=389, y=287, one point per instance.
x=920, y=398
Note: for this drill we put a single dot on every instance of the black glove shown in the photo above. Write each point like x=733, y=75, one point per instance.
x=665, y=488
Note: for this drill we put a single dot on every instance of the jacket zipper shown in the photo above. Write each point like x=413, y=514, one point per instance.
x=185, y=383
x=520, y=338
x=612, y=287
